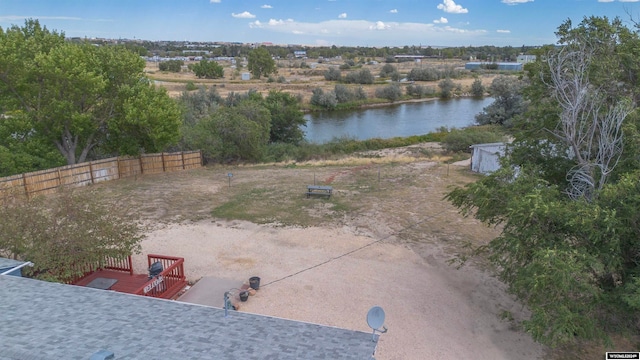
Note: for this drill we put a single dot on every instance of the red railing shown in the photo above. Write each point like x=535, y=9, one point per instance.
x=169, y=282
x=121, y=264
x=109, y=263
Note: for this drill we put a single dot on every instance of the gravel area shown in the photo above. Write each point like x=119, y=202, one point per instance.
x=334, y=276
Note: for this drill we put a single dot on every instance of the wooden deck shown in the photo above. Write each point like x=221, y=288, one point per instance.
x=117, y=275
x=126, y=283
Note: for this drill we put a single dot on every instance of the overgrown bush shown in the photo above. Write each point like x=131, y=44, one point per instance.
x=332, y=74
x=446, y=88
x=389, y=92
x=326, y=100
x=190, y=86
x=419, y=91
x=477, y=89
x=387, y=70
x=171, y=65
x=362, y=76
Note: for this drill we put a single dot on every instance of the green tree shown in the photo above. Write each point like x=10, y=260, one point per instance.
x=208, y=69
x=508, y=102
x=260, y=63
x=62, y=231
x=73, y=94
x=232, y=134
x=286, y=118
x=171, y=65
x=566, y=197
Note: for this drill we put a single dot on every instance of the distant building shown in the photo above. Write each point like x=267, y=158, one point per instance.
x=490, y=65
x=524, y=59
x=245, y=76
x=300, y=54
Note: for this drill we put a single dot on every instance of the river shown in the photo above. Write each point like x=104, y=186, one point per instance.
x=402, y=120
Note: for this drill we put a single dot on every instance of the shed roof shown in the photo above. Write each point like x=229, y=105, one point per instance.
x=43, y=320
x=9, y=263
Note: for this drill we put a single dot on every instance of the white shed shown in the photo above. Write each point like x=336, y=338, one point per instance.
x=246, y=76
x=485, y=158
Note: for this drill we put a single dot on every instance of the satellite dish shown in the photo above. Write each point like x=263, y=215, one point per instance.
x=375, y=320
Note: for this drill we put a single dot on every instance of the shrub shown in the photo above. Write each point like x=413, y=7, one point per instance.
x=332, y=74
x=446, y=88
x=419, y=91
x=477, y=89
x=326, y=100
x=191, y=86
x=387, y=70
x=343, y=94
x=390, y=92
x=362, y=76
x=171, y=65
x=281, y=79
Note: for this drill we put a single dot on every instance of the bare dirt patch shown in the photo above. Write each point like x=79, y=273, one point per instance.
x=384, y=239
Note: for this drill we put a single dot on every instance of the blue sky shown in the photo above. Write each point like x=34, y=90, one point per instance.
x=319, y=22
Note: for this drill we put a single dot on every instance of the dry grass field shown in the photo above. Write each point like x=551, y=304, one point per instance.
x=299, y=81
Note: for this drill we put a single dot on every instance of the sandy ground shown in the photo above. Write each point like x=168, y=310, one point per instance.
x=333, y=275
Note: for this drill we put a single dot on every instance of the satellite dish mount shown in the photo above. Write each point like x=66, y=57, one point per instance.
x=375, y=320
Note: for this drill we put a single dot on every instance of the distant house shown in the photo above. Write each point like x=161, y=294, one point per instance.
x=497, y=66
x=245, y=76
x=45, y=320
x=485, y=158
x=300, y=54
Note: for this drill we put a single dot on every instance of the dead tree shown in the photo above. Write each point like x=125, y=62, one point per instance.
x=590, y=121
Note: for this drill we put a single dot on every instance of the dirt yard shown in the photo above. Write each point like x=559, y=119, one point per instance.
x=384, y=238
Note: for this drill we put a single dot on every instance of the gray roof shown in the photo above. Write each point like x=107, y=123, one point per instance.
x=43, y=320
x=9, y=263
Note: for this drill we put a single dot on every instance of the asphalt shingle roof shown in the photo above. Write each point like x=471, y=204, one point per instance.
x=43, y=320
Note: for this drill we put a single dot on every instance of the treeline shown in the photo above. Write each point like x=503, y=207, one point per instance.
x=177, y=48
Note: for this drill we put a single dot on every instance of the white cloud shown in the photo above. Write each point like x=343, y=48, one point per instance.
x=504, y=31
x=243, y=15
x=449, y=6
x=516, y=2
x=629, y=0
x=215, y=1
x=393, y=11
x=297, y=32
x=342, y=16
x=605, y=0
x=265, y=6
x=379, y=25
x=442, y=20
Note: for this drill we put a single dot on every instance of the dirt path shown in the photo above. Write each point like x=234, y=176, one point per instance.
x=383, y=239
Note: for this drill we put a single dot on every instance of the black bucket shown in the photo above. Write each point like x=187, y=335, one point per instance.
x=244, y=295
x=254, y=282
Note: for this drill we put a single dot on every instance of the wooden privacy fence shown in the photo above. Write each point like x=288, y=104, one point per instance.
x=47, y=181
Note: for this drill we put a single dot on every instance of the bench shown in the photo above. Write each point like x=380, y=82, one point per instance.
x=319, y=190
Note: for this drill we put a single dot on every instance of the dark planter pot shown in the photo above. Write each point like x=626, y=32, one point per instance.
x=244, y=295
x=254, y=282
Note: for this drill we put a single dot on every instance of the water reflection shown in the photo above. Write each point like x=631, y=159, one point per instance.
x=398, y=120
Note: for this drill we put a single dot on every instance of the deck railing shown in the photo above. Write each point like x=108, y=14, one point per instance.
x=123, y=264
x=169, y=282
